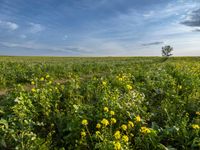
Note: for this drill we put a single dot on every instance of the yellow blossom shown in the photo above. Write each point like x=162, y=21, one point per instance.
x=129, y=87
x=125, y=138
x=105, y=122
x=112, y=113
x=198, y=113
x=195, y=126
x=117, y=135
x=32, y=82
x=83, y=134
x=145, y=130
x=33, y=90
x=130, y=124
x=84, y=122
x=113, y=120
x=42, y=79
x=106, y=109
x=47, y=76
x=98, y=126
x=124, y=127
x=117, y=145
x=137, y=119
x=104, y=83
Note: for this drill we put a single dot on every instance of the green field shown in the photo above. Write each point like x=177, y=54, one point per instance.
x=104, y=103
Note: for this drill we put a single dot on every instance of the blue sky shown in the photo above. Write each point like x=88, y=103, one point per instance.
x=99, y=27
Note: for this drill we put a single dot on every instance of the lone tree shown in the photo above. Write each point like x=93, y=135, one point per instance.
x=166, y=50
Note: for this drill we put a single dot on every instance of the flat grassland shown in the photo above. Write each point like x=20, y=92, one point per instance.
x=100, y=103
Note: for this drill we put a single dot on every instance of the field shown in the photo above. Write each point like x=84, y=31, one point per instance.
x=104, y=103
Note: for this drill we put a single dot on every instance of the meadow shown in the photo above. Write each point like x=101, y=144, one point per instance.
x=104, y=103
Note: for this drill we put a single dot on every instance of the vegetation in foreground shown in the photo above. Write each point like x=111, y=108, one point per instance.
x=100, y=103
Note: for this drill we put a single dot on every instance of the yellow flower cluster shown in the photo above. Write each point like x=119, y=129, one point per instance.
x=129, y=87
x=124, y=127
x=117, y=145
x=106, y=109
x=113, y=120
x=112, y=113
x=145, y=130
x=195, y=126
x=83, y=134
x=98, y=126
x=84, y=122
x=125, y=138
x=137, y=119
x=105, y=122
x=117, y=135
x=130, y=124
x=198, y=113
x=104, y=83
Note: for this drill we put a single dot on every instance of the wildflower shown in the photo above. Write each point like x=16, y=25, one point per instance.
x=195, y=126
x=32, y=82
x=129, y=87
x=113, y=120
x=117, y=135
x=83, y=134
x=33, y=90
x=124, y=127
x=145, y=130
x=130, y=124
x=105, y=122
x=98, y=126
x=104, y=83
x=112, y=113
x=117, y=145
x=84, y=122
x=42, y=79
x=137, y=118
x=47, y=76
x=198, y=113
x=106, y=109
x=97, y=133
x=125, y=138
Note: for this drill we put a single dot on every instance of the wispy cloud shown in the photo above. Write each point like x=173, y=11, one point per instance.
x=35, y=28
x=8, y=25
x=152, y=43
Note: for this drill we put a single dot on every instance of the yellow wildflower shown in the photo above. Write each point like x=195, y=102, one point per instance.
x=117, y=145
x=145, y=130
x=198, y=113
x=33, y=90
x=137, y=118
x=98, y=126
x=104, y=83
x=84, y=122
x=105, y=122
x=129, y=87
x=113, y=120
x=117, y=135
x=83, y=134
x=47, y=76
x=106, y=109
x=130, y=124
x=195, y=126
x=124, y=127
x=42, y=79
x=125, y=138
x=32, y=82
x=112, y=113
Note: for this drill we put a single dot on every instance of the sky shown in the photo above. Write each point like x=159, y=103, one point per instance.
x=99, y=27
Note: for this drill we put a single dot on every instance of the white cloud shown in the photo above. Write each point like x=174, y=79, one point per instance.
x=35, y=28
x=8, y=25
x=23, y=36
